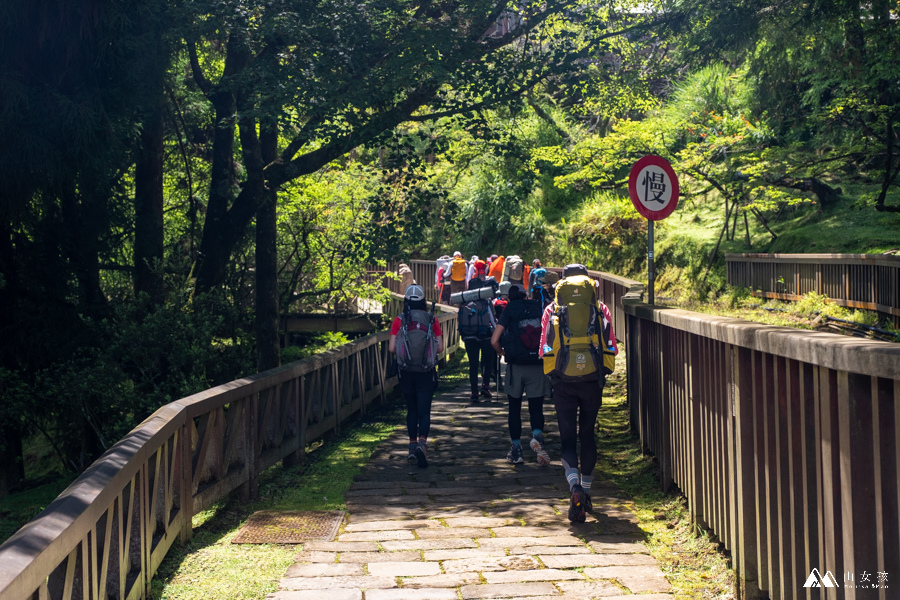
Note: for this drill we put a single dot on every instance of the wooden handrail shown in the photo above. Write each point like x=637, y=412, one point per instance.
x=107, y=533
x=866, y=281
x=783, y=441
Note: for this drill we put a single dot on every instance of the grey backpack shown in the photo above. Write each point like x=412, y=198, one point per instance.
x=416, y=343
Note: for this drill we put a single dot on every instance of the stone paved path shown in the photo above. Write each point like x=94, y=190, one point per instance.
x=473, y=526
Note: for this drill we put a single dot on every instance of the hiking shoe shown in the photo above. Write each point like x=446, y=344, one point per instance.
x=412, y=451
x=474, y=397
x=537, y=444
x=515, y=454
x=486, y=391
x=588, y=505
x=577, y=513
x=421, y=454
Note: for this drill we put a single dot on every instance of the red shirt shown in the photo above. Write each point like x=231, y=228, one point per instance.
x=435, y=328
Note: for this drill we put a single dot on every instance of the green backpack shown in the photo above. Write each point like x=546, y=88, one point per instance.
x=577, y=342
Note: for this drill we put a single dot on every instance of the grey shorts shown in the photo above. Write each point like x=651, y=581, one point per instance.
x=527, y=380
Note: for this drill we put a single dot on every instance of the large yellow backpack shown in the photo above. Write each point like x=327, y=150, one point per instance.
x=458, y=269
x=577, y=342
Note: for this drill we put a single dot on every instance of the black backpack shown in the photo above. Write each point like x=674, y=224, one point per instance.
x=476, y=320
x=522, y=339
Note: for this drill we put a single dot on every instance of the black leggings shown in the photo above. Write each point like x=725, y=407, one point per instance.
x=584, y=420
x=418, y=390
x=488, y=357
x=535, y=415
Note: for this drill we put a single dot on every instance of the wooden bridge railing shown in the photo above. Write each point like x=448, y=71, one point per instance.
x=107, y=533
x=866, y=281
x=785, y=443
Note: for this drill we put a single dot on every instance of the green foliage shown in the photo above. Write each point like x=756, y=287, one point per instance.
x=326, y=237
x=812, y=304
x=607, y=231
x=317, y=344
x=735, y=296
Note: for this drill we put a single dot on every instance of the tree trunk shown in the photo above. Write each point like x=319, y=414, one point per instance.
x=218, y=239
x=148, y=209
x=220, y=234
x=267, y=317
x=83, y=218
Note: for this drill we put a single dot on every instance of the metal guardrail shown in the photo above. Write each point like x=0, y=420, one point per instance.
x=785, y=443
x=107, y=533
x=866, y=281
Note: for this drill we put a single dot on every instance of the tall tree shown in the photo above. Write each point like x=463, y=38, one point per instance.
x=346, y=74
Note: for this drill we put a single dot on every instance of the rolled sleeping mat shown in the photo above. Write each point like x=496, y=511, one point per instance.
x=471, y=295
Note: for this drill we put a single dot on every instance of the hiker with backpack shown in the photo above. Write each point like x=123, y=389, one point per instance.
x=457, y=273
x=515, y=270
x=496, y=269
x=536, y=281
x=470, y=272
x=406, y=276
x=579, y=350
x=476, y=325
x=416, y=339
x=548, y=287
x=442, y=278
x=517, y=338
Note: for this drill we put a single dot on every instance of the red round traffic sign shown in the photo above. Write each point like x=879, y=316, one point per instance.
x=653, y=187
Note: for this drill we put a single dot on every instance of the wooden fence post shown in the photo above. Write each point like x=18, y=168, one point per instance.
x=186, y=487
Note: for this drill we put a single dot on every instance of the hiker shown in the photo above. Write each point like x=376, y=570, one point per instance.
x=476, y=325
x=496, y=269
x=416, y=339
x=515, y=270
x=470, y=272
x=535, y=265
x=442, y=278
x=480, y=278
x=457, y=273
x=536, y=281
x=406, y=276
x=548, y=287
x=578, y=346
x=517, y=338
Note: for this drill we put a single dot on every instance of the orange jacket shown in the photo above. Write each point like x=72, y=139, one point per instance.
x=496, y=270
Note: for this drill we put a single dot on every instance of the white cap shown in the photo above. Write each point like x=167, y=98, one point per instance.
x=414, y=293
x=457, y=253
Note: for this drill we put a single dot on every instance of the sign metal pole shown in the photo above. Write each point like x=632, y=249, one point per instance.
x=650, y=274
x=658, y=200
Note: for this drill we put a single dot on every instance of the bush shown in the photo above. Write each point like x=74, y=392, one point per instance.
x=316, y=344
x=736, y=297
x=813, y=303
x=607, y=234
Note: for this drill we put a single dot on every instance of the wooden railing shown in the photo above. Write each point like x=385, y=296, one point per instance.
x=785, y=443
x=107, y=533
x=867, y=281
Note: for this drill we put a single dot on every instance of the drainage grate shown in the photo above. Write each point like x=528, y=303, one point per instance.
x=289, y=527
